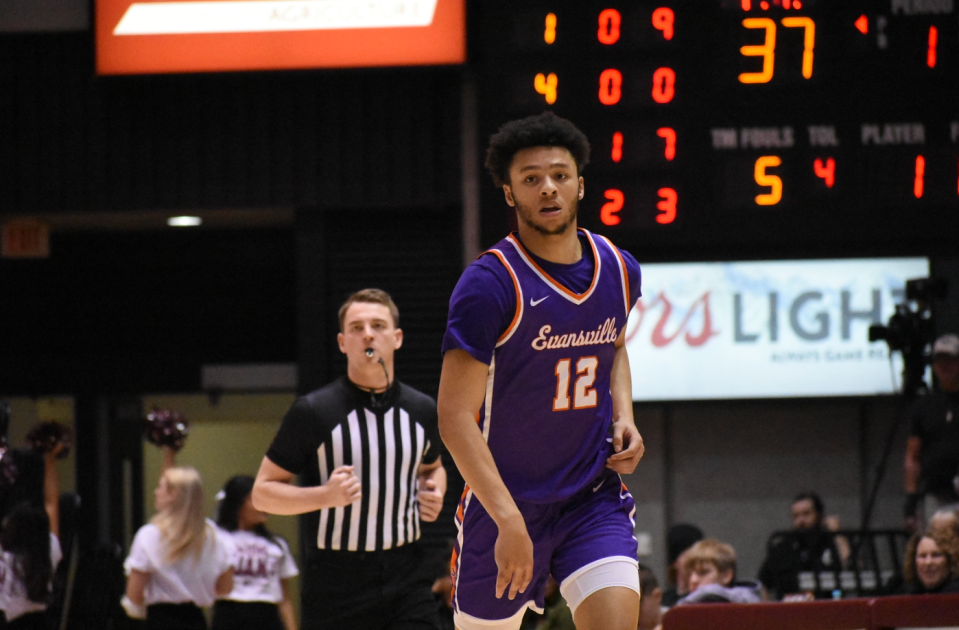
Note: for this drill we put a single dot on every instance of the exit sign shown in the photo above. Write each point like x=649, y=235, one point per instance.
x=24, y=238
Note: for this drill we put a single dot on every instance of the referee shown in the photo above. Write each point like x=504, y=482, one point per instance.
x=368, y=450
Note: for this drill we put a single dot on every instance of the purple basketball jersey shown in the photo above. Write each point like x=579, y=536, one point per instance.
x=548, y=410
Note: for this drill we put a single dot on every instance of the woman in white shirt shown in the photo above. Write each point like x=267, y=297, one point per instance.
x=262, y=566
x=177, y=563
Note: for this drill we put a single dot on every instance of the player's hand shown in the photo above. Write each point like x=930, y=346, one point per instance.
x=514, y=558
x=628, y=447
x=344, y=487
x=431, y=501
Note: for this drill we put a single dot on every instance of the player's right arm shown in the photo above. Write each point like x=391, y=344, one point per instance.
x=461, y=393
x=274, y=492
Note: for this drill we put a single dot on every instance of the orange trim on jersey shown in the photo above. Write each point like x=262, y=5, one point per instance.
x=519, y=297
x=578, y=297
x=453, y=569
x=625, y=274
x=459, y=507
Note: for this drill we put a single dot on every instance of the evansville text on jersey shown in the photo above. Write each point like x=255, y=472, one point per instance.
x=604, y=334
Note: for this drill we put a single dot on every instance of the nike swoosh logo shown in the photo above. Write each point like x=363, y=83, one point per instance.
x=599, y=485
x=533, y=302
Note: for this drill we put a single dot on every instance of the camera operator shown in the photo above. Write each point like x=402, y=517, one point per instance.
x=932, y=450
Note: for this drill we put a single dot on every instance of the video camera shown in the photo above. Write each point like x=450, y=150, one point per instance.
x=911, y=329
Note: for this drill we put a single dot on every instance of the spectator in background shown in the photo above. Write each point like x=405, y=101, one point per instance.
x=262, y=566
x=945, y=522
x=932, y=450
x=556, y=613
x=679, y=538
x=931, y=564
x=809, y=547
x=711, y=566
x=650, y=600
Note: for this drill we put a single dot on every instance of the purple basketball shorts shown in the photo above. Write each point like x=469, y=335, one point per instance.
x=586, y=529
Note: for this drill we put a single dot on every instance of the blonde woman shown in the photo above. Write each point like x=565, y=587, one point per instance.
x=177, y=562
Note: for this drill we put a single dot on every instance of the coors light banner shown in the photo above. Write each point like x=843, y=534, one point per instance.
x=766, y=329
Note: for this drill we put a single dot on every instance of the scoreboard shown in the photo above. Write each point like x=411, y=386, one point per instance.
x=741, y=128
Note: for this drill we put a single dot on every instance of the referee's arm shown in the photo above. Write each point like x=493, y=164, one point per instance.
x=274, y=492
x=431, y=487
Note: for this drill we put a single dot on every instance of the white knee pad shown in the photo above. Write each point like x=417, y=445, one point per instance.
x=615, y=571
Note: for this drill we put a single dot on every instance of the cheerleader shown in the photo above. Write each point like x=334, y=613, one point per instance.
x=177, y=563
x=262, y=565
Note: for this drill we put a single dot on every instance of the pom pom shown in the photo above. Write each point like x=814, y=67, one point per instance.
x=165, y=427
x=45, y=437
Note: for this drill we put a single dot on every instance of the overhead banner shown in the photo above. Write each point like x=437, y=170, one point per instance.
x=766, y=329
x=156, y=36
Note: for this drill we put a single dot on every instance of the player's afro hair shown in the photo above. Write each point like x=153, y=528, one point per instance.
x=542, y=130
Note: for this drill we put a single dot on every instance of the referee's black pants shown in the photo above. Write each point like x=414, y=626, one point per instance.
x=368, y=590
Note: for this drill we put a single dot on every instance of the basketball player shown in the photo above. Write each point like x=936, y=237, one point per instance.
x=535, y=400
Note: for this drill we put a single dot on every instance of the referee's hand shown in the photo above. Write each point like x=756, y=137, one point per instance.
x=430, y=499
x=344, y=487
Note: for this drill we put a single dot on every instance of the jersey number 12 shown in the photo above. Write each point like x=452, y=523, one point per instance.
x=584, y=396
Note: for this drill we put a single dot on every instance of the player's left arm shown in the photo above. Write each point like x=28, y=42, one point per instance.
x=628, y=445
x=431, y=486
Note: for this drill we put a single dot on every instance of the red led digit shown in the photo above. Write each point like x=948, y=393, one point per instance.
x=931, y=54
x=825, y=172
x=669, y=136
x=610, y=86
x=617, y=154
x=747, y=5
x=549, y=33
x=607, y=213
x=917, y=185
x=664, y=85
x=609, y=20
x=663, y=21
x=666, y=205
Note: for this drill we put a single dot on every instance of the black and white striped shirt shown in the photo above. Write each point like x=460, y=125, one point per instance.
x=339, y=425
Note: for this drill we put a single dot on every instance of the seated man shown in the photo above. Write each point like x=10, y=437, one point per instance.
x=810, y=547
x=712, y=572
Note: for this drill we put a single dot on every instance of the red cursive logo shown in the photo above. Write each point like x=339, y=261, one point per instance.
x=659, y=337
